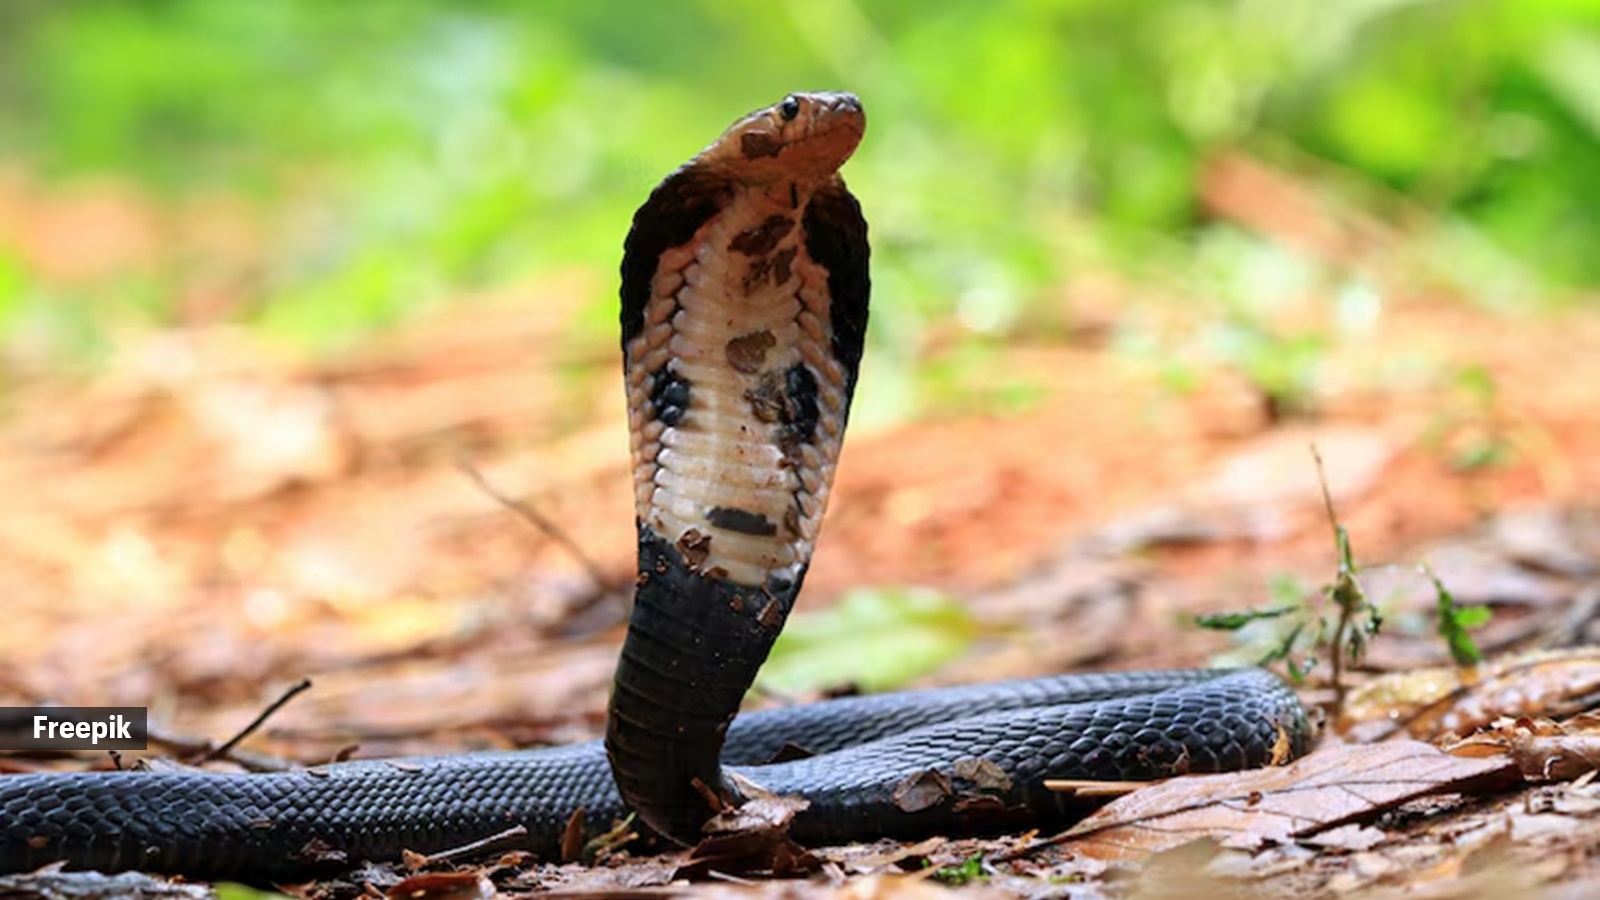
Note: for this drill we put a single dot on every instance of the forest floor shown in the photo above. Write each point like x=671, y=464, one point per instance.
x=206, y=521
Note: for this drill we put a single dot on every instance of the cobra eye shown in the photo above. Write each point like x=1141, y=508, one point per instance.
x=789, y=109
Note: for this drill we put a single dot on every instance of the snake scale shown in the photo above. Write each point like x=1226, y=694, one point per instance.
x=744, y=312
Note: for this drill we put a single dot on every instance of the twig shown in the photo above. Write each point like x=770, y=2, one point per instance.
x=538, y=520
x=1078, y=787
x=470, y=849
x=1032, y=844
x=185, y=746
x=228, y=745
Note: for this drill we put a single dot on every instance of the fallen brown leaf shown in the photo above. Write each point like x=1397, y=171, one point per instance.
x=900, y=853
x=922, y=790
x=1542, y=749
x=753, y=837
x=1427, y=703
x=1353, y=837
x=1329, y=788
x=572, y=837
x=443, y=886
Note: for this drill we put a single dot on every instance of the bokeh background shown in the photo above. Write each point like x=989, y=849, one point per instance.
x=387, y=157
x=271, y=270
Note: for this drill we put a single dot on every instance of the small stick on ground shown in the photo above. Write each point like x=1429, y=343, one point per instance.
x=539, y=521
x=1031, y=844
x=227, y=746
x=187, y=747
x=1088, y=788
x=473, y=848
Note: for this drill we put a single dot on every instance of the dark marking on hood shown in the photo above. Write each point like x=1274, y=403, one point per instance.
x=670, y=394
x=836, y=239
x=762, y=239
x=756, y=145
x=679, y=205
x=741, y=520
x=748, y=353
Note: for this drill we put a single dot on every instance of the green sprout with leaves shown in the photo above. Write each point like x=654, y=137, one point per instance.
x=1456, y=620
x=1338, y=620
x=970, y=869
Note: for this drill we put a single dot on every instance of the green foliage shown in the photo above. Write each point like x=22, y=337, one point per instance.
x=1350, y=600
x=1304, y=626
x=971, y=869
x=1233, y=621
x=13, y=289
x=412, y=148
x=1298, y=629
x=875, y=639
x=1456, y=620
x=970, y=380
x=229, y=891
x=1283, y=367
x=1469, y=427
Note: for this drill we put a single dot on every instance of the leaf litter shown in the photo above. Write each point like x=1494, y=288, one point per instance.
x=354, y=551
x=1327, y=789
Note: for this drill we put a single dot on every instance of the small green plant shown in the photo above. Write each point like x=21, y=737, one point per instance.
x=1332, y=623
x=1456, y=620
x=1336, y=621
x=971, y=869
x=1302, y=626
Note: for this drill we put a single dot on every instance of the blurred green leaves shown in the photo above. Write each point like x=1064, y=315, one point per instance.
x=411, y=148
x=876, y=640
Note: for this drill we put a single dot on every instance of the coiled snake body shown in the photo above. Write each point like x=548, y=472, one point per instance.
x=744, y=309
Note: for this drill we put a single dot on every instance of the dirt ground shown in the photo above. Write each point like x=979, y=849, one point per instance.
x=209, y=520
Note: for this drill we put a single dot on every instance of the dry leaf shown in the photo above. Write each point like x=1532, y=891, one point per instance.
x=900, y=853
x=443, y=886
x=1427, y=703
x=572, y=837
x=922, y=790
x=1543, y=750
x=982, y=773
x=753, y=837
x=1353, y=837
x=1329, y=788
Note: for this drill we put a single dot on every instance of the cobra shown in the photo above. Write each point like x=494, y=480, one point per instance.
x=744, y=312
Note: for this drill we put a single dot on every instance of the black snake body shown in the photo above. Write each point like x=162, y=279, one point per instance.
x=744, y=309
